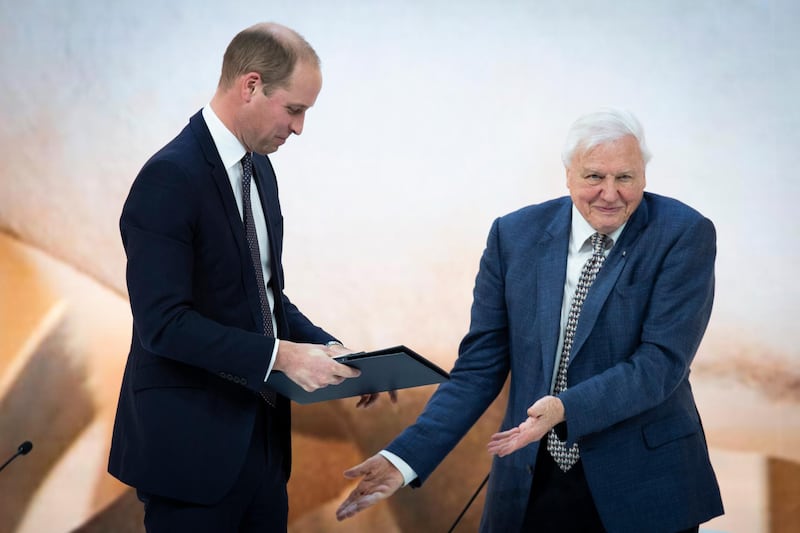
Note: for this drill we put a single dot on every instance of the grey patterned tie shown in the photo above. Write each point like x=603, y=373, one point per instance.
x=565, y=457
x=255, y=256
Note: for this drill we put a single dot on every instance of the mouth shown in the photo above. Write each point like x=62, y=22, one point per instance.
x=607, y=210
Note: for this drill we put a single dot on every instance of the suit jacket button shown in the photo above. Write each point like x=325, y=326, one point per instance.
x=243, y=381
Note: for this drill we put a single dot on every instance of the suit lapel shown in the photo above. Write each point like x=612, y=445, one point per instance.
x=607, y=277
x=219, y=176
x=550, y=258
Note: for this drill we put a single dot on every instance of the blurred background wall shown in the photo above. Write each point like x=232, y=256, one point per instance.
x=435, y=117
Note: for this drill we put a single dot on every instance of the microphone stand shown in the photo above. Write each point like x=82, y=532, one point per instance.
x=468, y=504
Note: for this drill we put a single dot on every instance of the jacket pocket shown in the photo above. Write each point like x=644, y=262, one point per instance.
x=669, y=429
x=636, y=290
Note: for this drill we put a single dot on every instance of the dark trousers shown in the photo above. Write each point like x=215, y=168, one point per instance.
x=257, y=502
x=560, y=502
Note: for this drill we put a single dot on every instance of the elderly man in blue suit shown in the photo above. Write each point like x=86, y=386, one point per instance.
x=197, y=432
x=595, y=304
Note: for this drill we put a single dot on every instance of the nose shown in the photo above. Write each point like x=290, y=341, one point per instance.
x=609, y=190
x=297, y=124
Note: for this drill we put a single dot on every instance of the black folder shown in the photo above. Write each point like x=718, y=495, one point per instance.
x=382, y=370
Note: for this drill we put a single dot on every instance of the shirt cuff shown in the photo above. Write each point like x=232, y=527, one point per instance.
x=272, y=360
x=408, y=473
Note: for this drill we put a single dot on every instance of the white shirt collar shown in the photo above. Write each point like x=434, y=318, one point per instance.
x=230, y=149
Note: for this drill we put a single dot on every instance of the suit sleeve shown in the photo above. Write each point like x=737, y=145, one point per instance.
x=674, y=320
x=476, y=379
x=301, y=328
x=159, y=227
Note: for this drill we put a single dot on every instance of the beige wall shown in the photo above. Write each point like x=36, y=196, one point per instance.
x=434, y=118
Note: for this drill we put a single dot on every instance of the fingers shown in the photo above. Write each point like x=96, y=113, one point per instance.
x=355, y=504
x=501, y=449
x=507, y=442
x=542, y=415
x=345, y=372
x=366, y=400
x=380, y=480
x=358, y=470
x=499, y=445
x=309, y=364
x=504, y=435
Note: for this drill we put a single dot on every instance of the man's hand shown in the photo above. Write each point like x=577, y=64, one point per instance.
x=311, y=366
x=542, y=417
x=368, y=399
x=336, y=350
x=381, y=480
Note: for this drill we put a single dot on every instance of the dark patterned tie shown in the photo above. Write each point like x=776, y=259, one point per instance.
x=255, y=256
x=565, y=457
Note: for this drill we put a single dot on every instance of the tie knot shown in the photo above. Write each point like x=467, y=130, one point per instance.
x=599, y=243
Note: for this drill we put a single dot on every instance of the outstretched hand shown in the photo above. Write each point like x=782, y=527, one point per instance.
x=380, y=480
x=543, y=415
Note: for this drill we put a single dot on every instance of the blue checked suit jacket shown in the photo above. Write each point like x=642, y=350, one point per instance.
x=628, y=404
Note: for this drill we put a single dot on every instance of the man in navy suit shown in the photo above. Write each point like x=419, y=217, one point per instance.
x=599, y=372
x=197, y=432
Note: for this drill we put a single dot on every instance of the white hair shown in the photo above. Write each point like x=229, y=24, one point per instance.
x=604, y=126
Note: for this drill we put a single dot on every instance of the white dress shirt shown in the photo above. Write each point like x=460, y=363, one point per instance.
x=580, y=250
x=231, y=152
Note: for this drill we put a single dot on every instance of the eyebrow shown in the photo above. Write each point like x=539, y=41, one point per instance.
x=601, y=173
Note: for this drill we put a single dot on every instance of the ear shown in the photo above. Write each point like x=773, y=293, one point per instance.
x=248, y=85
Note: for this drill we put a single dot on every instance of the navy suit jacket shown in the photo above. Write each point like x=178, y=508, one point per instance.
x=198, y=356
x=628, y=404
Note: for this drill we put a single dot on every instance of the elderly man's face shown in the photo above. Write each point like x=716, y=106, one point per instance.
x=607, y=183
